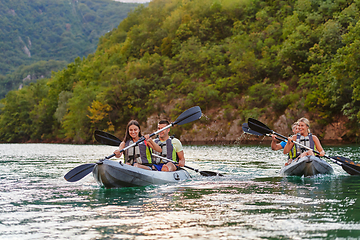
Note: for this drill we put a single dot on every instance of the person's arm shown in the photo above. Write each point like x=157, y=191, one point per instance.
x=181, y=158
x=117, y=151
x=318, y=146
x=289, y=145
x=152, y=144
x=283, y=144
x=275, y=146
x=179, y=151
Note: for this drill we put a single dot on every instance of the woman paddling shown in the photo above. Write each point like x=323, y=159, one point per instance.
x=140, y=155
x=304, y=137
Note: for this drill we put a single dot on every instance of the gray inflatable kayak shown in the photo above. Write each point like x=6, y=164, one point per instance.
x=112, y=174
x=307, y=166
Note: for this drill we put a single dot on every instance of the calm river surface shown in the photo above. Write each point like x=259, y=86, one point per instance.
x=250, y=202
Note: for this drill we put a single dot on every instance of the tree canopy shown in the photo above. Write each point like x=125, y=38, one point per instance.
x=252, y=57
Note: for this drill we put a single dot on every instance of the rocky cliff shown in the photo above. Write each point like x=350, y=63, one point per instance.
x=214, y=128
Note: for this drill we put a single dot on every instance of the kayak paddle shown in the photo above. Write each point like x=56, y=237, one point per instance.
x=348, y=165
x=106, y=138
x=352, y=169
x=246, y=129
x=81, y=171
x=203, y=173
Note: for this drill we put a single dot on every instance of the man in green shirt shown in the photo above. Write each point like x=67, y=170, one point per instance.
x=171, y=149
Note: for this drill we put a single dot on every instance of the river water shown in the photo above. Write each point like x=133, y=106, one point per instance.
x=250, y=202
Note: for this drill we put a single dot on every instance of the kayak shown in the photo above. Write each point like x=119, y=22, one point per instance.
x=307, y=166
x=112, y=174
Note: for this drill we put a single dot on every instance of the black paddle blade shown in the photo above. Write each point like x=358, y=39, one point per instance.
x=348, y=165
x=258, y=126
x=246, y=129
x=79, y=172
x=350, y=169
x=189, y=115
x=210, y=174
x=106, y=138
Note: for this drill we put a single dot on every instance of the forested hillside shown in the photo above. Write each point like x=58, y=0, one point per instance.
x=61, y=30
x=251, y=58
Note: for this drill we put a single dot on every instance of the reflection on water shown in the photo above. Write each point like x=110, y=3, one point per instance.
x=250, y=202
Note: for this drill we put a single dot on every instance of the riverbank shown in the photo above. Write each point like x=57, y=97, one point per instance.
x=215, y=128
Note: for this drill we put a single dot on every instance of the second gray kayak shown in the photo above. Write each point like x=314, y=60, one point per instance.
x=307, y=166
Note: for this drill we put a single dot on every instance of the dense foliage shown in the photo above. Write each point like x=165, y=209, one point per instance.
x=24, y=75
x=252, y=57
x=61, y=30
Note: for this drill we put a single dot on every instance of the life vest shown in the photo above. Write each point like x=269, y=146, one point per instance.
x=140, y=153
x=307, y=141
x=292, y=153
x=168, y=151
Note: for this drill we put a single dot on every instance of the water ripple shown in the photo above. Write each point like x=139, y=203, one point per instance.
x=250, y=202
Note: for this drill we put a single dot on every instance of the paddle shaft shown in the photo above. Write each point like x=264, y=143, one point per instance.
x=285, y=140
x=168, y=160
x=203, y=173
